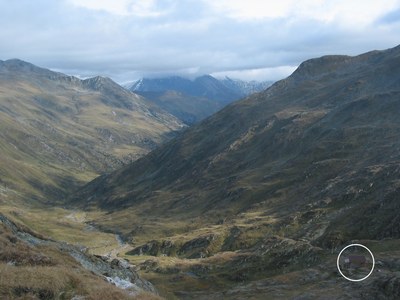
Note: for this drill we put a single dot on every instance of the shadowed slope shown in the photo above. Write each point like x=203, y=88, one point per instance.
x=331, y=121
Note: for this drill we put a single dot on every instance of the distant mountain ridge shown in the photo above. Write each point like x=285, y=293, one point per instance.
x=224, y=90
x=246, y=87
x=193, y=100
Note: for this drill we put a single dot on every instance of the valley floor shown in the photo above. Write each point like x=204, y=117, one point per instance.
x=273, y=267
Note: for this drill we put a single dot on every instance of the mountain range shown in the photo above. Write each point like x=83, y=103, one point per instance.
x=194, y=100
x=265, y=193
x=253, y=202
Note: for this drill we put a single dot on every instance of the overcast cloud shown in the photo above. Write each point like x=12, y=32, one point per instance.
x=252, y=39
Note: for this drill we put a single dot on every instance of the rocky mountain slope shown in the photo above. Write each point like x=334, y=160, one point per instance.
x=40, y=268
x=58, y=131
x=271, y=187
x=193, y=100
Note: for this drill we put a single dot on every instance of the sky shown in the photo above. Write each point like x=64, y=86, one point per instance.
x=245, y=39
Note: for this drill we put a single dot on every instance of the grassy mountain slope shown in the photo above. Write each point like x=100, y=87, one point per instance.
x=271, y=185
x=57, y=131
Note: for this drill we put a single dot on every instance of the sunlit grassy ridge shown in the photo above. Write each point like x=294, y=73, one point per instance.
x=57, y=132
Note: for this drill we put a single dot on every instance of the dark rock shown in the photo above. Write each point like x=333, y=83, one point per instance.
x=196, y=248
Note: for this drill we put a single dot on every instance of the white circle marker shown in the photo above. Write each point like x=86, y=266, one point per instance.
x=356, y=245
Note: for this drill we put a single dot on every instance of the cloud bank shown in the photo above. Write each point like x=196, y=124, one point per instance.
x=252, y=39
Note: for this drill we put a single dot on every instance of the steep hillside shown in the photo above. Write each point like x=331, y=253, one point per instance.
x=271, y=185
x=35, y=267
x=194, y=100
x=58, y=131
